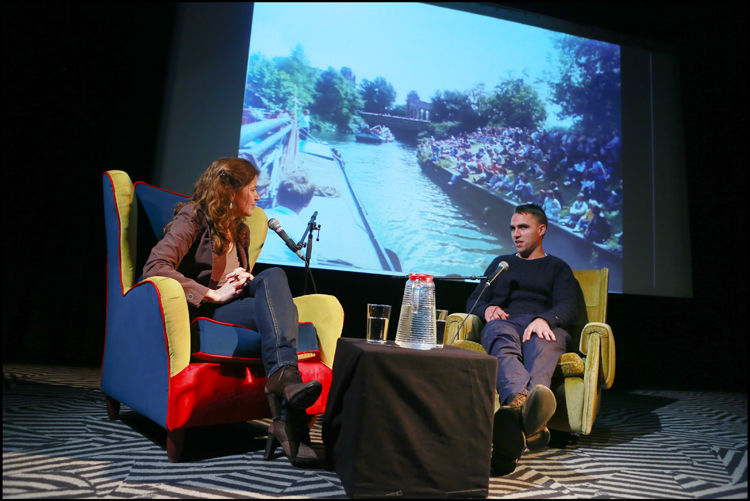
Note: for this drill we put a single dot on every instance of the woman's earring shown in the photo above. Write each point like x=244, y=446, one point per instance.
x=231, y=205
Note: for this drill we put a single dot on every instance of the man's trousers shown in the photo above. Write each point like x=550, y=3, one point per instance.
x=521, y=366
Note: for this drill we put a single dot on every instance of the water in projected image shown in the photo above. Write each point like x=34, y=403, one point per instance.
x=428, y=230
x=498, y=95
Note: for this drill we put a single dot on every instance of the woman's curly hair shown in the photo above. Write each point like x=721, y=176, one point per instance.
x=214, y=192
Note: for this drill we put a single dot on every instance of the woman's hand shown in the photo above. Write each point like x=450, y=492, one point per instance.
x=239, y=278
x=235, y=284
x=223, y=294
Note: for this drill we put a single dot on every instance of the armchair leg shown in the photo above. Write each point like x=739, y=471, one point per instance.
x=311, y=421
x=561, y=439
x=175, y=443
x=113, y=408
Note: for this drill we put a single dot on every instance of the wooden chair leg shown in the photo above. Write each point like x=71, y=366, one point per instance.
x=175, y=443
x=113, y=408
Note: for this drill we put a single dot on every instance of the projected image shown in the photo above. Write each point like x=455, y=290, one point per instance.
x=412, y=131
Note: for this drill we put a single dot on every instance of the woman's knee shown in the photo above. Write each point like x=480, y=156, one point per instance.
x=276, y=276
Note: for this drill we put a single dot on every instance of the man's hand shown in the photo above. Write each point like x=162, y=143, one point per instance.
x=541, y=328
x=495, y=312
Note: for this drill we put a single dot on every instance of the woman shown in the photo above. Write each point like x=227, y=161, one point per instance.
x=205, y=249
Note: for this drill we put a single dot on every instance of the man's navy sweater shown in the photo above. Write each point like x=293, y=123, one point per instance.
x=543, y=287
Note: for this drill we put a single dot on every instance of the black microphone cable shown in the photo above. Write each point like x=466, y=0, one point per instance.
x=500, y=268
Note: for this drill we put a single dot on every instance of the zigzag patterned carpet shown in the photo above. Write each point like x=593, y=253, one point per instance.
x=58, y=443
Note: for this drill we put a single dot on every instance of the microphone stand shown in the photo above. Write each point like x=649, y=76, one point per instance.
x=311, y=226
x=470, y=311
x=501, y=268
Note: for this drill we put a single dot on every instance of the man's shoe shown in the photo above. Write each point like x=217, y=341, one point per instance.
x=529, y=413
x=538, y=408
x=500, y=466
x=539, y=440
x=508, y=441
x=287, y=383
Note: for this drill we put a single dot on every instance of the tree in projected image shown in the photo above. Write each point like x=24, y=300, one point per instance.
x=337, y=99
x=267, y=87
x=587, y=83
x=512, y=103
x=515, y=103
x=301, y=74
x=378, y=95
x=456, y=106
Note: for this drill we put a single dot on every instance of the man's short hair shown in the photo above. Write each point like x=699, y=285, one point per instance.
x=534, y=210
x=296, y=191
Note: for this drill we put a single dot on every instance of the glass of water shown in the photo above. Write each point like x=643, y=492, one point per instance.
x=377, y=322
x=440, y=317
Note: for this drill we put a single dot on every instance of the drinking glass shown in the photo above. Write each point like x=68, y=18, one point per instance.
x=440, y=317
x=377, y=322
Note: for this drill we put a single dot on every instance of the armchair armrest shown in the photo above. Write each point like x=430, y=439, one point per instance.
x=605, y=343
x=174, y=310
x=147, y=343
x=470, y=331
x=327, y=314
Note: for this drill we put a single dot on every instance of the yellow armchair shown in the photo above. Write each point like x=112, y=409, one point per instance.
x=579, y=379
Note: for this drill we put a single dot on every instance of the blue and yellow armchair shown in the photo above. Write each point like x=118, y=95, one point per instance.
x=150, y=363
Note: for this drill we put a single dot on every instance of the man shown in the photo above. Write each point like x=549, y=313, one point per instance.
x=295, y=193
x=577, y=210
x=462, y=171
x=523, y=189
x=527, y=309
x=614, y=146
x=304, y=125
x=598, y=229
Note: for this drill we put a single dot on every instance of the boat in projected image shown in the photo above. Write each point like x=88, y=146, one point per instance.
x=492, y=207
x=376, y=135
x=346, y=238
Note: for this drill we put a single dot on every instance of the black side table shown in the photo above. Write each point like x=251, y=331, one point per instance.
x=414, y=423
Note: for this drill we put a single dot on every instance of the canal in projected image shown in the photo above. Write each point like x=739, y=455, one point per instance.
x=413, y=216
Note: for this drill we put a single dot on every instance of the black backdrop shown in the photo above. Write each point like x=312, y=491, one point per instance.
x=83, y=87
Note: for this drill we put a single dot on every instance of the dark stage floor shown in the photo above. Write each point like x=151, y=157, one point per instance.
x=58, y=443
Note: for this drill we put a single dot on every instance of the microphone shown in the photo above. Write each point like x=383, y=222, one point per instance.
x=275, y=225
x=500, y=268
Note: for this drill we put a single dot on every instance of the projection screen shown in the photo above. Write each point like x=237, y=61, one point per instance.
x=411, y=131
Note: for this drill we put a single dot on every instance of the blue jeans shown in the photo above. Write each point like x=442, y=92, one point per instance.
x=521, y=366
x=268, y=309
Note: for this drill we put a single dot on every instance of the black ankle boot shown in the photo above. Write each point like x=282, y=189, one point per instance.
x=291, y=434
x=287, y=383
